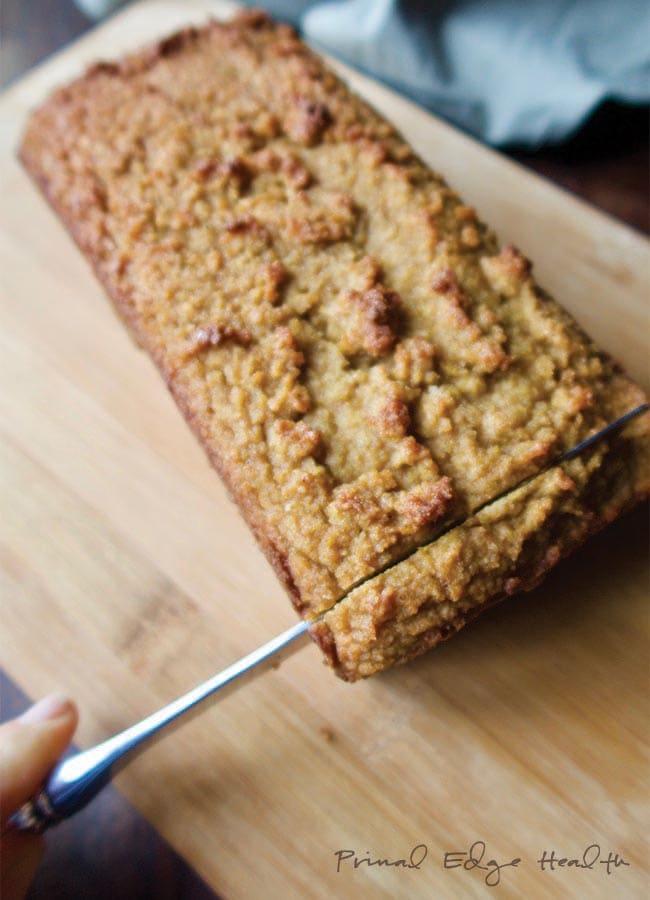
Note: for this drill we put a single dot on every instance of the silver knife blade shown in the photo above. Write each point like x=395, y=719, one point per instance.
x=616, y=425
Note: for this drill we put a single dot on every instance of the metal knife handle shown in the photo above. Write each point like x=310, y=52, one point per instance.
x=74, y=782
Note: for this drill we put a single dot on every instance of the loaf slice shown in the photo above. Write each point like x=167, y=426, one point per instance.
x=505, y=548
x=362, y=362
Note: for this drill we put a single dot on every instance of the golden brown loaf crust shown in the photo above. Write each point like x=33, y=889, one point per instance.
x=506, y=547
x=361, y=360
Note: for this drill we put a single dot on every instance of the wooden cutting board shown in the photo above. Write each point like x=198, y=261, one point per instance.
x=128, y=577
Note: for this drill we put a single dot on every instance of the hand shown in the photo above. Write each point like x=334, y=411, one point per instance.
x=29, y=747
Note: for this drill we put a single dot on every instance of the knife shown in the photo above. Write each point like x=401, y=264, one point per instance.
x=75, y=781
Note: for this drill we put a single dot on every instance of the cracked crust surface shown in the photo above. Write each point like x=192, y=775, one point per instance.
x=361, y=360
x=506, y=547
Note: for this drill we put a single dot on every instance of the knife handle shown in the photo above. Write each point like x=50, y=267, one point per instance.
x=75, y=781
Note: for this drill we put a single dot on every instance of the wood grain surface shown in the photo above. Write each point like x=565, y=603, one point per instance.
x=128, y=577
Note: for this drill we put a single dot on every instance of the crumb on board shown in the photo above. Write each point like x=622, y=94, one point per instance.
x=327, y=733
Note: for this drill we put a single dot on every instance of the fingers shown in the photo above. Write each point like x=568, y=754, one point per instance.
x=30, y=746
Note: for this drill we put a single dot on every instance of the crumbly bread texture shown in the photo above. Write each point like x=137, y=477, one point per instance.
x=506, y=547
x=361, y=360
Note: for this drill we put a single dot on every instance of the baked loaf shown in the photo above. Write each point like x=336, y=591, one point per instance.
x=361, y=360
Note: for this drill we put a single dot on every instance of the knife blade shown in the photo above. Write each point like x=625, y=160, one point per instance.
x=75, y=781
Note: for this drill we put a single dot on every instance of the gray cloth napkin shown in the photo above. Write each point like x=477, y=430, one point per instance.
x=508, y=71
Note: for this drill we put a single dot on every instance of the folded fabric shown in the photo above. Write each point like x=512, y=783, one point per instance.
x=508, y=72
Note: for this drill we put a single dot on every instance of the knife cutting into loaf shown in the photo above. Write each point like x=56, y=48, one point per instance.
x=74, y=782
x=365, y=366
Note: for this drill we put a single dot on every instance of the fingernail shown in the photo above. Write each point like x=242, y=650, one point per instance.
x=46, y=709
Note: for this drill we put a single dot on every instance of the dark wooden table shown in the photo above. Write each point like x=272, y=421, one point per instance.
x=109, y=851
